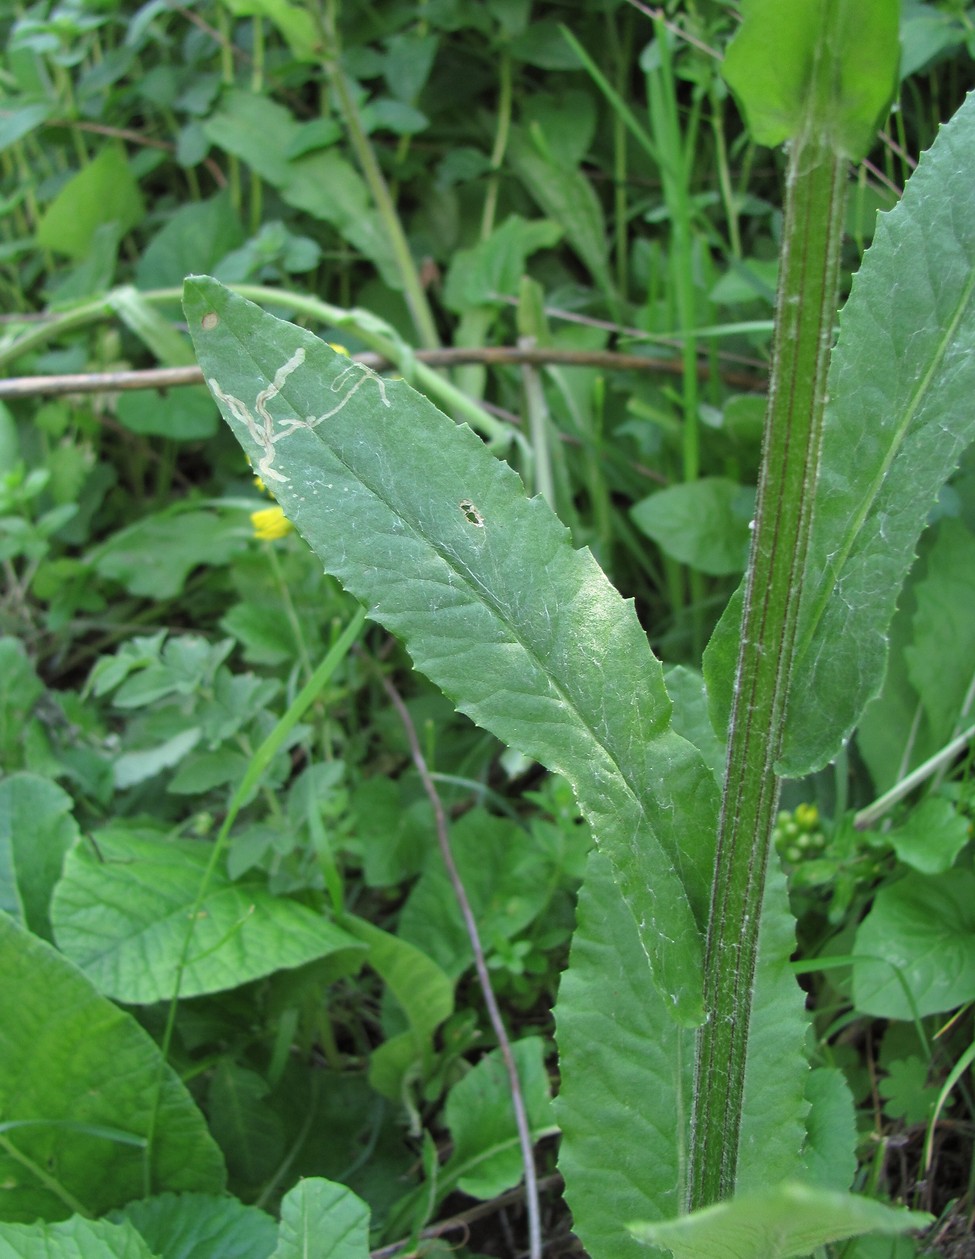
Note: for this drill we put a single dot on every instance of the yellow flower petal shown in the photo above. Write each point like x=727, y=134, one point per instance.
x=270, y=523
x=339, y=349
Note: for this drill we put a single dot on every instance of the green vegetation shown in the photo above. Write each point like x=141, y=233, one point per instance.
x=284, y=927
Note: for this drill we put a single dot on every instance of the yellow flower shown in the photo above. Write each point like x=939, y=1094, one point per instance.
x=261, y=486
x=270, y=523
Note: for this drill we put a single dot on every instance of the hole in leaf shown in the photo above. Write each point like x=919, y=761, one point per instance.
x=471, y=514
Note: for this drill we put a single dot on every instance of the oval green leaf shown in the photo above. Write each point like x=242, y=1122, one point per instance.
x=121, y=913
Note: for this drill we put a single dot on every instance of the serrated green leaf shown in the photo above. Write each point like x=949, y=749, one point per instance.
x=774, y=1105
x=121, y=912
x=626, y=1076
x=906, y=1092
x=521, y=631
x=789, y=1220
x=322, y=1220
x=922, y=930
x=829, y=1158
x=616, y=1044
x=74, y=1070
x=901, y=382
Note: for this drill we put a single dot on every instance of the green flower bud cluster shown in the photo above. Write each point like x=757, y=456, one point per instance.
x=797, y=835
x=832, y=861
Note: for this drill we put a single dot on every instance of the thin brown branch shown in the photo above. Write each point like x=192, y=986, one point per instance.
x=660, y=16
x=491, y=356
x=463, y=1221
x=138, y=138
x=480, y=965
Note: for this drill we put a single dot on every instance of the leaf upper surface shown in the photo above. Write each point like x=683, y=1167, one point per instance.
x=521, y=631
x=77, y=1079
x=122, y=915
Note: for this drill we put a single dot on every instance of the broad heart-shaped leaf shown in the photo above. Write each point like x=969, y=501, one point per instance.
x=627, y=1073
x=77, y=1081
x=486, y=1157
x=201, y=1226
x=781, y=1222
x=322, y=1220
x=121, y=913
x=703, y=523
x=76, y=1238
x=770, y=67
x=900, y=385
x=919, y=934
x=521, y=631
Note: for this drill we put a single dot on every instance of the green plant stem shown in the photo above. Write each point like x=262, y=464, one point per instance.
x=501, y=133
x=806, y=306
x=416, y=298
x=872, y=814
x=257, y=86
x=227, y=77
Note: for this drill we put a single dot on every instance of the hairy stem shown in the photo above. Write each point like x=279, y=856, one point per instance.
x=806, y=306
